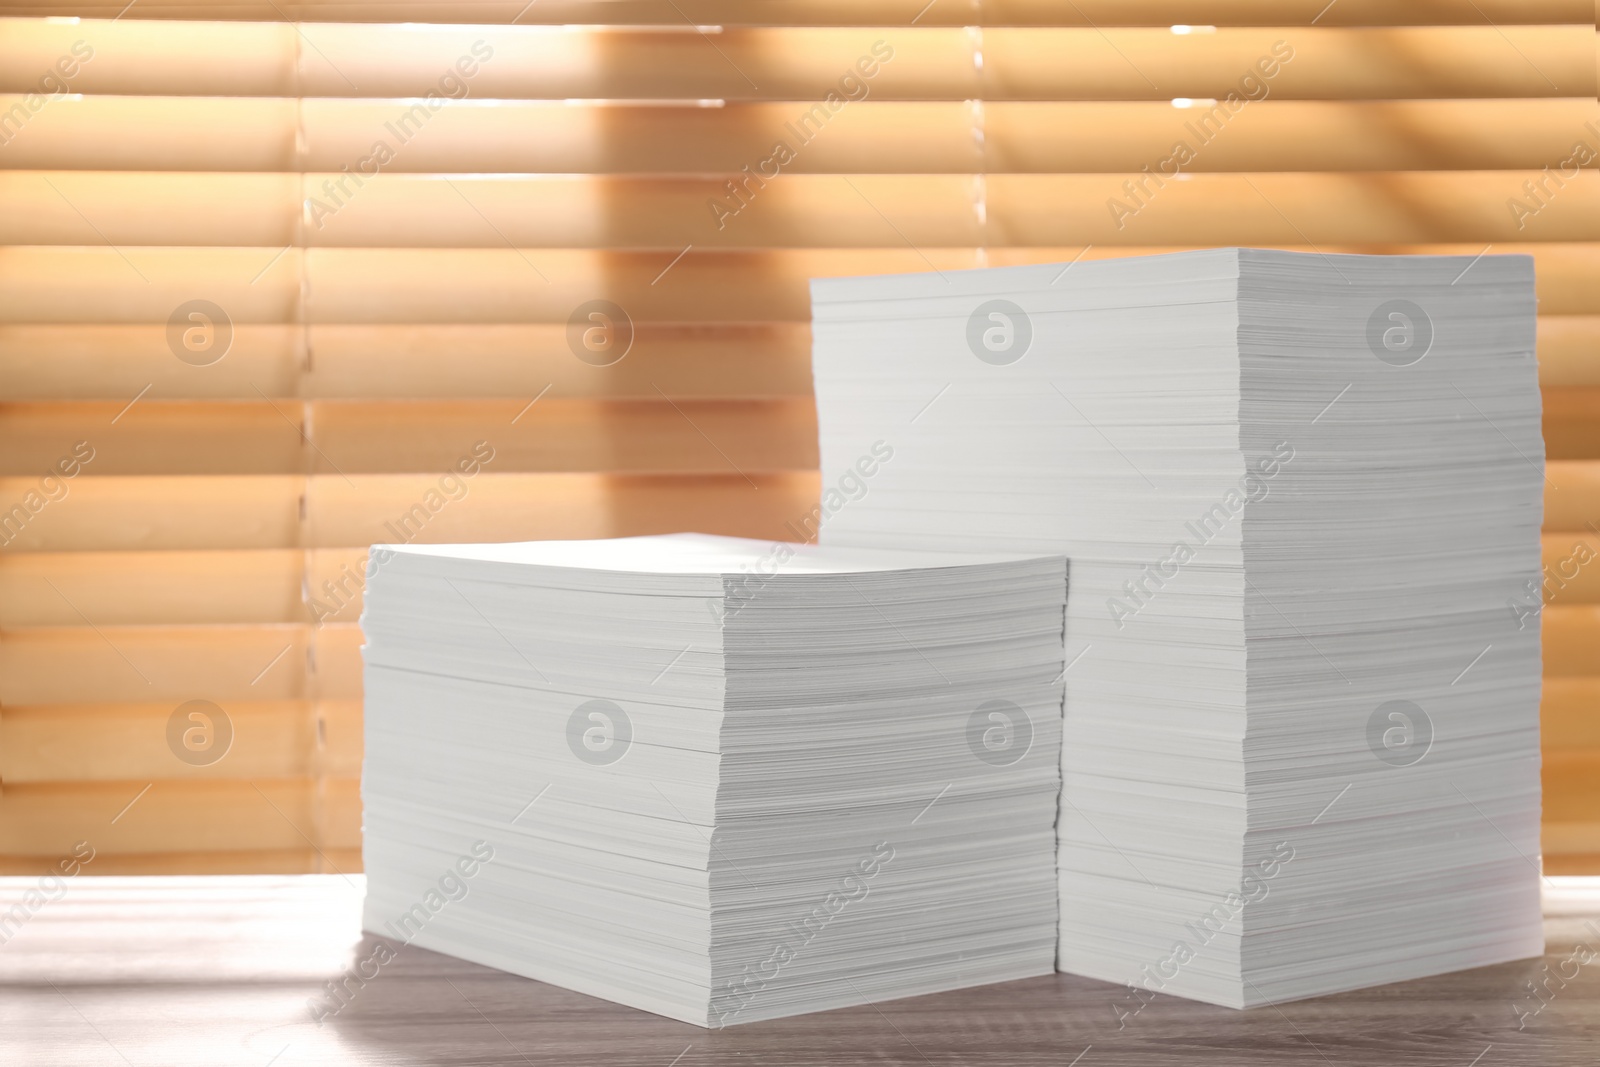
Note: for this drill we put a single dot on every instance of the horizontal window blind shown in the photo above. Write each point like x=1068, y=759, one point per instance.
x=278, y=281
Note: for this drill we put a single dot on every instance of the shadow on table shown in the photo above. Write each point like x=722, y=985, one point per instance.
x=426, y=1008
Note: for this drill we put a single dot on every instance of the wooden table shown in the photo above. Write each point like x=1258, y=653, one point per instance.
x=169, y=972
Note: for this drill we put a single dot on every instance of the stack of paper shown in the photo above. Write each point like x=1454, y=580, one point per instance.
x=720, y=780
x=1301, y=498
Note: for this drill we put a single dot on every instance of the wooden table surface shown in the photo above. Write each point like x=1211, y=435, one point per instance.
x=209, y=971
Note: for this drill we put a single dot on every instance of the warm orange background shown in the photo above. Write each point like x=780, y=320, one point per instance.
x=226, y=507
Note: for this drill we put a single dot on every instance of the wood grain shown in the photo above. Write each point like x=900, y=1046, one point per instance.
x=219, y=971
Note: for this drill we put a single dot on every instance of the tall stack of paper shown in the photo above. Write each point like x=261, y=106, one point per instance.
x=1301, y=499
x=717, y=779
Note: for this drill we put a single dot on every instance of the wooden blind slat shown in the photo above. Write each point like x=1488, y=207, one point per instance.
x=128, y=742
x=663, y=435
x=130, y=588
x=74, y=664
x=916, y=63
x=1572, y=422
x=373, y=437
x=517, y=507
x=138, y=133
x=1571, y=640
x=221, y=587
x=721, y=361
x=1571, y=496
x=1569, y=350
x=1572, y=793
x=438, y=286
x=1570, y=577
x=85, y=665
x=47, y=819
x=713, y=361
x=675, y=14
x=157, y=513
x=1569, y=848
x=1567, y=714
x=200, y=511
x=421, y=211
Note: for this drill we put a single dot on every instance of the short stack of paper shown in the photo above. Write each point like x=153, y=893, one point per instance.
x=1301, y=497
x=717, y=779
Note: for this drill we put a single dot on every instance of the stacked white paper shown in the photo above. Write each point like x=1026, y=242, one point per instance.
x=1301, y=498
x=717, y=779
